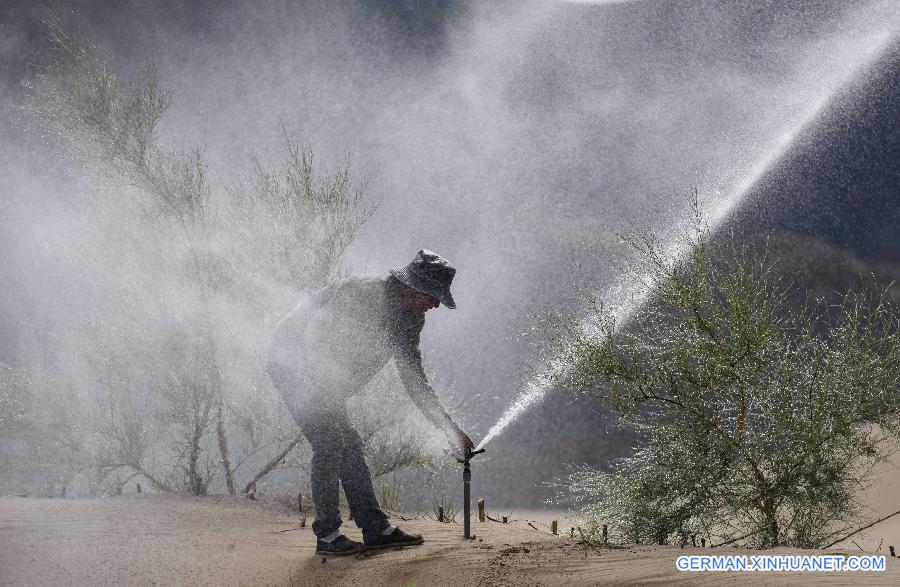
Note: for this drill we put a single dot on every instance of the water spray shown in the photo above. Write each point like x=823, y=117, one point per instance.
x=467, y=482
x=536, y=389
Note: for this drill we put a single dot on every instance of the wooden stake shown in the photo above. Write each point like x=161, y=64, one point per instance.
x=553, y=527
x=605, y=535
x=892, y=550
x=703, y=543
x=505, y=519
x=139, y=488
x=481, y=513
x=440, y=513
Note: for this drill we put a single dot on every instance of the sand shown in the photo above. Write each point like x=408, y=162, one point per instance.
x=880, y=500
x=166, y=540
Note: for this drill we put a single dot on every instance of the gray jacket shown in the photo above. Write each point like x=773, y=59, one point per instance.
x=335, y=341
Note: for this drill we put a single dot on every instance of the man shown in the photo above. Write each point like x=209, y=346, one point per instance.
x=325, y=351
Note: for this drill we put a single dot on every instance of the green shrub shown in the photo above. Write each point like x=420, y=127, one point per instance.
x=757, y=423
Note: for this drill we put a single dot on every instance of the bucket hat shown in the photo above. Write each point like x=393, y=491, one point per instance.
x=429, y=273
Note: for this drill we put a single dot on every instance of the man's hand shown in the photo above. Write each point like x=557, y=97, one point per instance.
x=459, y=440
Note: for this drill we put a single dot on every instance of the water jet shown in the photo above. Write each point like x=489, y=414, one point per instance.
x=734, y=194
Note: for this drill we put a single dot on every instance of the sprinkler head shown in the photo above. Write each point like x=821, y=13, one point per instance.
x=469, y=454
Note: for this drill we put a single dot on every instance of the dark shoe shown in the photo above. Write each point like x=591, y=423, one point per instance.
x=396, y=538
x=340, y=546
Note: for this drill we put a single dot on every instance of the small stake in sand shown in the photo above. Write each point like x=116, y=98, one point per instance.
x=605, y=535
x=139, y=488
x=481, y=510
x=553, y=527
x=703, y=543
x=505, y=519
x=891, y=547
x=440, y=513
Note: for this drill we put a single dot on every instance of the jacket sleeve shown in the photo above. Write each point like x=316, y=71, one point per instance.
x=408, y=359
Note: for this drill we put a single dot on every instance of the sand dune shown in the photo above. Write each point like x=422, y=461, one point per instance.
x=881, y=499
x=143, y=540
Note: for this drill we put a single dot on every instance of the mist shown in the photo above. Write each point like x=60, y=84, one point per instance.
x=512, y=138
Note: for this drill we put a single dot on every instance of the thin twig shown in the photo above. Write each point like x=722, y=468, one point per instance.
x=867, y=526
x=733, y=540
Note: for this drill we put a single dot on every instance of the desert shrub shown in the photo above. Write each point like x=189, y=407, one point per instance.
x=757, y=423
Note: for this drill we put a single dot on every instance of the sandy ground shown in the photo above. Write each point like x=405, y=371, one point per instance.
x=159, y=540
x=881, y=499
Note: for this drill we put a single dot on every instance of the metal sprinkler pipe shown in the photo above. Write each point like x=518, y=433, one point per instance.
x=467, y=482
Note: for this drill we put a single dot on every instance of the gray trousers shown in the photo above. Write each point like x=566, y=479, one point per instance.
x=337, y=458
